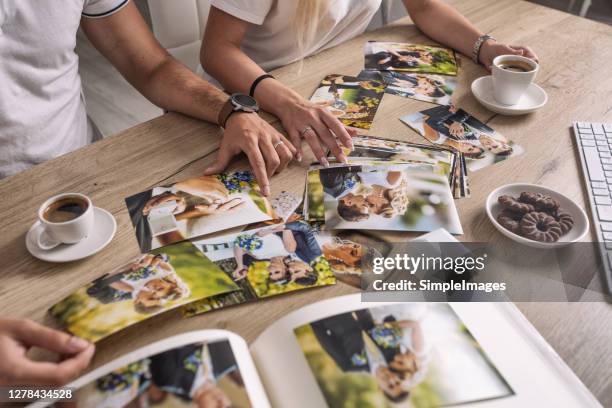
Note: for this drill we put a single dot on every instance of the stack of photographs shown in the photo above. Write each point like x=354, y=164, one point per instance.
x=422, y=72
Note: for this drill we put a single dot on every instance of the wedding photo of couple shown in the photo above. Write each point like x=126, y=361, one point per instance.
x=198, y=375
x=401, y=355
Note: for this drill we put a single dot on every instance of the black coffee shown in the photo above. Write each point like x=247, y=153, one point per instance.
x=65, y=209
x=516, y=66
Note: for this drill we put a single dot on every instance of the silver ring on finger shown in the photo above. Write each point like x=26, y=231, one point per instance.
x=280, y=142
x=306, y=129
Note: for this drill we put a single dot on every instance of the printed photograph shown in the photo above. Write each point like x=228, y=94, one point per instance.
x=406, y=355
x=198, y=375
x=195, y=207
x=152, y=284
x=389, y=198
x=266, y=262
x=425, y=59
x=352, y=100
x=455, y=128
x=422, y=87
x=351, y=253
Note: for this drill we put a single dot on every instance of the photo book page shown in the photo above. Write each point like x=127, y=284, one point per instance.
x=195, y=207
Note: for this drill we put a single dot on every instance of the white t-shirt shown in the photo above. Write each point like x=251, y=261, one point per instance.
x=42, y=111
x=270, y=39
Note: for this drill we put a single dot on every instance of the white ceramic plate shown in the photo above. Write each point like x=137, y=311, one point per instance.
x=532, y=100
x=581, y=221
x=102, y=233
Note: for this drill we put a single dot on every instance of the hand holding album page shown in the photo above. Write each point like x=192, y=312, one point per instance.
x=342, y=353
x=152, y=284
x=195, y=207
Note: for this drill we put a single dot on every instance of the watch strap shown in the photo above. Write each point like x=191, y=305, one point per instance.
x=226, y=111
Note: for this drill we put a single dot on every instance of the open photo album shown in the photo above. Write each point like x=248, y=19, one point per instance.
x=343, y=353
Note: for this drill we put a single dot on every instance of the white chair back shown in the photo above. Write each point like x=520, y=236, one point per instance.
x=179, y=26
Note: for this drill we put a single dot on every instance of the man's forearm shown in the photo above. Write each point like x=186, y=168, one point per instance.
x=444, y=24
x=173, y=87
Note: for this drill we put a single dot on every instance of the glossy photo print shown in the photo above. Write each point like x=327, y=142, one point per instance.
x=431, y=88
x=391, y=198
x=455, y=128
x=198, y=375
x=402, y=355
x=195, y=207
x=352, y=100
x=426, y=59
x=152, y=284
x=265, y=262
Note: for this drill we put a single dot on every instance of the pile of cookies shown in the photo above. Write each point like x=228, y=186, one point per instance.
x=534, y=216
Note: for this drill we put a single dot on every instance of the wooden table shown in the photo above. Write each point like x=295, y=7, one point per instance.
x=575, y=55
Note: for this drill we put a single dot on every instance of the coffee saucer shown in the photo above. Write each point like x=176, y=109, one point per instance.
x=532, y=100
x=102, y=233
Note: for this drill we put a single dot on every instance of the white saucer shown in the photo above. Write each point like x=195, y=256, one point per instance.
x=532, y=100
x=103, y=231
x=577, y=233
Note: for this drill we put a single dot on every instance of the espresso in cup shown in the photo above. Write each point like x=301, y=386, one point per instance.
x=65, y=219
x=512, y=76
x=515, y=65
x=65, y=209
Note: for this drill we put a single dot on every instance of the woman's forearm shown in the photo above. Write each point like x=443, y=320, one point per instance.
x=444, y=24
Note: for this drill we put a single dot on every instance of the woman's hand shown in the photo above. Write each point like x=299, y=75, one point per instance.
x=18, y=336
x=268, y=151
x=491, y=49
x=321, y=129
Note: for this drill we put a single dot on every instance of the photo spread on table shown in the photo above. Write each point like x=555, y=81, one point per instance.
x=212, y=242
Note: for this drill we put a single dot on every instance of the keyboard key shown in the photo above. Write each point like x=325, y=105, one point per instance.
x=590, y=143
x=608, y=173
x=605, y=155
x=600, y=192
x=608, y=127
x=593, y=164
x=606, y=160
x=583, y=125
x=606, y=226
x=607, y=236
x=604, y=212
x=607, y=167
x=597, y=128
x=600, y=137
x=608, y=246
x=603, y=200
x=598, y=184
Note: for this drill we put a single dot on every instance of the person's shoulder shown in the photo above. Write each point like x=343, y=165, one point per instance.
x=251, y=11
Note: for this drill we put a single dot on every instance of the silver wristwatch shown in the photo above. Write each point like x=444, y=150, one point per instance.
x=478, y=46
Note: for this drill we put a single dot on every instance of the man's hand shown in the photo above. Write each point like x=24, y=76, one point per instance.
x=491, y=49
x=162, y=199
x=268, y=151
x=18, y=336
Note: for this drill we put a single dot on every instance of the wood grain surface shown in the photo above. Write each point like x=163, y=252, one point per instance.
x=575, y=59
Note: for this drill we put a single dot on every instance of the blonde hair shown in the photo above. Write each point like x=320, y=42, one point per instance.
x=307, y=21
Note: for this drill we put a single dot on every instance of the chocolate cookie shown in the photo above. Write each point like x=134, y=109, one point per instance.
x=511, y=221
x=541, y=202
x=541, y=227
x=565, y=220
x=512, y=204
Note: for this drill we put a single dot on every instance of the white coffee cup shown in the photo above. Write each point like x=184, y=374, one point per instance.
x=512, y=76
x=66, y=218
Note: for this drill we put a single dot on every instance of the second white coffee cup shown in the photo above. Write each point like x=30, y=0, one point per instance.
x=66, y=218
x=512, y=76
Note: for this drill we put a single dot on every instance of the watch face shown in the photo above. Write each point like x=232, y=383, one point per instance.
x=245, y=100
